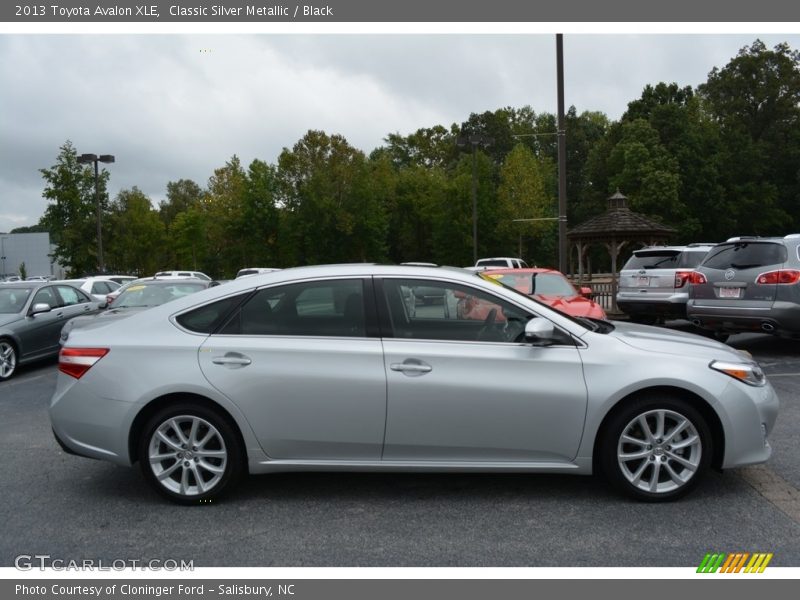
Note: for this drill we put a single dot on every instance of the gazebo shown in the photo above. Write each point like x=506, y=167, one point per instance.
x=615, y=228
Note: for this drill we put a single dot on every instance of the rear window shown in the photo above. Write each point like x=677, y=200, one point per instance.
x=665, y=259
x=745, y=255
x=492, y=263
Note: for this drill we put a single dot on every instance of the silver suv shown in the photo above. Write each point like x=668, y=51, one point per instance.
x=653, y=284
x=748, y=284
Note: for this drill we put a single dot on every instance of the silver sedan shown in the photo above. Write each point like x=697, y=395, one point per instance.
x=331, y=368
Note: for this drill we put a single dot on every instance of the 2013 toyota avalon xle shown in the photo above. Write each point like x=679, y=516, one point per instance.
x=333, y=367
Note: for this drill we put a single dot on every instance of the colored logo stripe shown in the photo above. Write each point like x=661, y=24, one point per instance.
x=734, y=563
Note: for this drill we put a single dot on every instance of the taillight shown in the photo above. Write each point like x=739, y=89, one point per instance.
x=76, y=361
x=681, y=277
x=782, y=276
x=696, y=278
x=109, y=300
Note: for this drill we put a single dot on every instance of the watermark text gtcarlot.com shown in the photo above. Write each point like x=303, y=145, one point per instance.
x=29, y=562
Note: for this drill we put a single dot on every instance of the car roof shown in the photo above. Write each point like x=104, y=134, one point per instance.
x=522, y=271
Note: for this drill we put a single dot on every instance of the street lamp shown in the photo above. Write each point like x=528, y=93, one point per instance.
x=84, y=159
x=474, y=140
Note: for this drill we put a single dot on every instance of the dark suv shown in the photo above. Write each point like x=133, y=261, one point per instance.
x=748, y=284
x=653, y=284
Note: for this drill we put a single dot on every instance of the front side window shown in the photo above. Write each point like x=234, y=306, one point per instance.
x=332, y=308
x=433, y=310
x=47, y=296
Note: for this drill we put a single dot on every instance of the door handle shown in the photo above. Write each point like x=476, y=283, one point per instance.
x=411, y=368
x=232, y=360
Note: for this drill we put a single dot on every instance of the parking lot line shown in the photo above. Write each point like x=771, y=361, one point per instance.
x=774, y=488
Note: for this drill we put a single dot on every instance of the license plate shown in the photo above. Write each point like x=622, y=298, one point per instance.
x=727, y=292
x=642, y=281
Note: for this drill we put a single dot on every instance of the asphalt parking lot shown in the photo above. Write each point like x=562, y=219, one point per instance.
x=73, y=508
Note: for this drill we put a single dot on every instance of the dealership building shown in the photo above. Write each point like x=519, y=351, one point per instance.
x=33, y=249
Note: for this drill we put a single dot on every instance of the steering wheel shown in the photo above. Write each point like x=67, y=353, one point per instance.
x=486, y=327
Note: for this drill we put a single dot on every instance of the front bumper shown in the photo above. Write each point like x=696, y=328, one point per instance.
x=750, y=414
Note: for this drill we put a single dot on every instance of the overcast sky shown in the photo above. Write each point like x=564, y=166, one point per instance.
x=179, y=106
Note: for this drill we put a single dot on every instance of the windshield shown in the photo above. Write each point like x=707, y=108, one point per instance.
x=546, y=284
x=12, y=300
x=147, y=295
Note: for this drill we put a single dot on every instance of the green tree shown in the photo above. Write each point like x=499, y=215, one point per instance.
x=523, y=193
x=755, y=100
x=136, y=234
x=333, y=212
x=70, y=216
x=181, y=195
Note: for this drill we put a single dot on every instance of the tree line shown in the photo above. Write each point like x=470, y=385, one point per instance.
x=714, y=161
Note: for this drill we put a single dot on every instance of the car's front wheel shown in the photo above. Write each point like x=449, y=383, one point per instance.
x=8, y=359
x=656, y=448
x=190, y=453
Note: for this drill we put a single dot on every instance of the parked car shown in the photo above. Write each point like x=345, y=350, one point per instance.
x=12, y=279
x=748, y=284
x=180, y=274
x=653, y=283
x=323, y=368
x=137, y=296
x=254, y=271
x=38, y=278
x=550, y=287
x=121, y=279
x=97, y=287
x=31, y=317
x=499, y=262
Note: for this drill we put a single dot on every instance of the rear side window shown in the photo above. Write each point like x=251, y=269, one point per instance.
x=70, y=295
x=745, y=255
x=208, y=318
x=316, y=308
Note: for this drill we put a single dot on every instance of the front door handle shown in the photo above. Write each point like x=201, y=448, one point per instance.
x=412, y=368
x=232, y=359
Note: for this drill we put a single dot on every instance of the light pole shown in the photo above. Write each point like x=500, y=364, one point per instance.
x=562, y=157
x=474, y=140
x=84, y=159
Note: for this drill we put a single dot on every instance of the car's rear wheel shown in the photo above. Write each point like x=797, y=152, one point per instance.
x=656, y=448
x=190, y=453
x=8, y=359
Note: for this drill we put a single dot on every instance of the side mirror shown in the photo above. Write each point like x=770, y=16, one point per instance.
x=586, y=292
x=41, y=307
x=539, y=331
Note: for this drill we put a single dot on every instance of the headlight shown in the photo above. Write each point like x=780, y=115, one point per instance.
x=749, y=373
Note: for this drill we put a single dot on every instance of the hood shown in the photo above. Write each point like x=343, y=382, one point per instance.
x=577, y=306
x=7, y=319
x=668, y=341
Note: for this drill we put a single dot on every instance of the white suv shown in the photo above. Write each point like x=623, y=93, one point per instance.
x=182, y=274
x=500, y=262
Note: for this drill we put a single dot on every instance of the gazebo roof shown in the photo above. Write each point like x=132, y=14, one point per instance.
x=620, y=222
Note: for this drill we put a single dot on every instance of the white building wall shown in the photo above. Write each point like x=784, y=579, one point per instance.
x=33, y=249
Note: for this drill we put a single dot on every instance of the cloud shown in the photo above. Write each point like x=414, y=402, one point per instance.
x=178, y=106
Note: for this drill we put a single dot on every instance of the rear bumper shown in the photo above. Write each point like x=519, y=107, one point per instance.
x=634, y=303
x=783, y=318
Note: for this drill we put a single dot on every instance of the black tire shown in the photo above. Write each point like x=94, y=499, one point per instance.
x=8, y=359
x=660, y=461
x=191, y=474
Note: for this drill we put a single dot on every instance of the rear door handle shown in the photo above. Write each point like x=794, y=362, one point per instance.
x=232, y=359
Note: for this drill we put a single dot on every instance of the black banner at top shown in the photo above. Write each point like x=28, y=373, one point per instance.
x=442, y=11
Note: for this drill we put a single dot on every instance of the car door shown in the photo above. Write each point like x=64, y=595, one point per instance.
x=75, y=302
x=301, y=363
x=461, y=389
x=41, y=331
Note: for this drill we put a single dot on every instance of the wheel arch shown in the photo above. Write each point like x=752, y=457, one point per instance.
x=157, y=404
x=698, y=402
